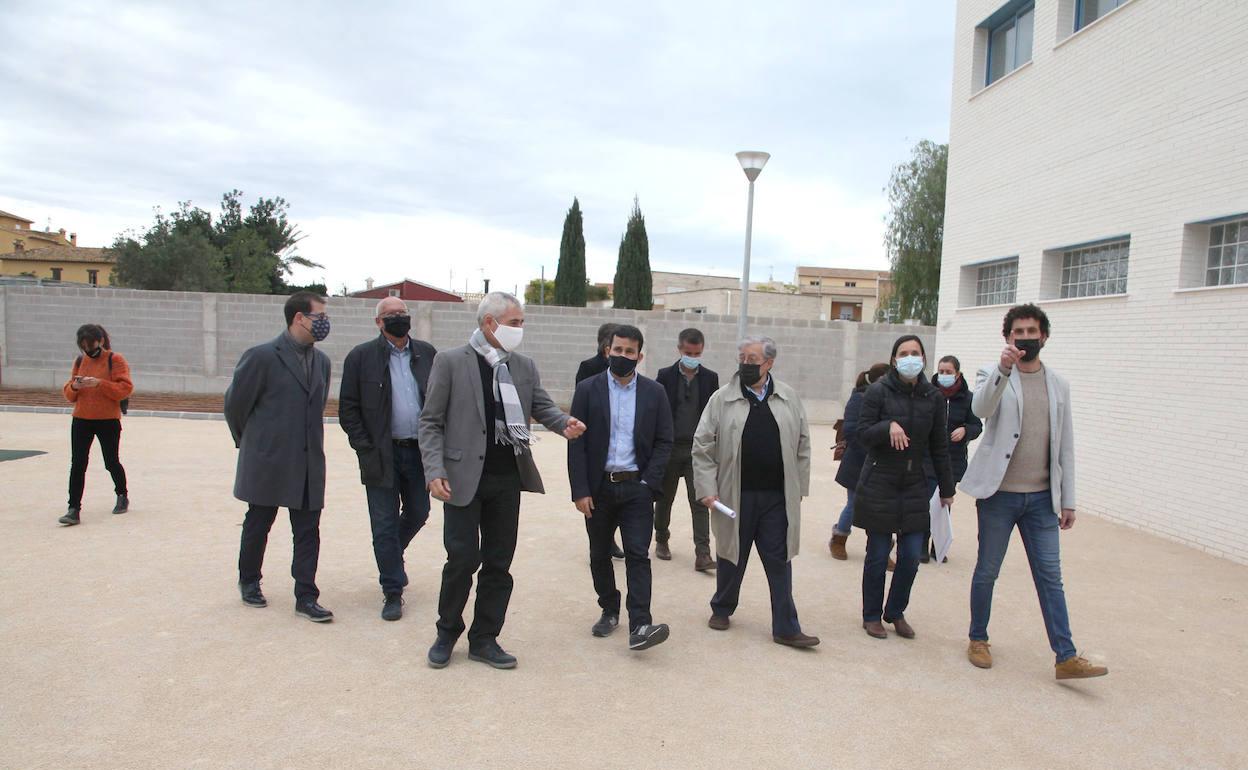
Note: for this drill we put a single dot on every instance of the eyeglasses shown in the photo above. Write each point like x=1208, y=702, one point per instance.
x=317, y=316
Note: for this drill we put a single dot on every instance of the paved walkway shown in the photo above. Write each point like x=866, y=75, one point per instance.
x=123, y=643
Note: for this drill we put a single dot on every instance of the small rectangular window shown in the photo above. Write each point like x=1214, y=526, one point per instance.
x=997, y=283
x=1095, y=271
x=1228, y=254
x=851, y=283
x=394, y=292
x=56, y=273
x=1088, y=11
x=93, y=277
x=847, y=312
x=1010, y=34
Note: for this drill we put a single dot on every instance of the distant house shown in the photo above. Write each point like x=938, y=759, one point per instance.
x=407, y=289
x=48, y=255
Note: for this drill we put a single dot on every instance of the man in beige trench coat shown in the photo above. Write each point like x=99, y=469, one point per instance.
x=751, y=453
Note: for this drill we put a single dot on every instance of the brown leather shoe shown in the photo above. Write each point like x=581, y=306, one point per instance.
x=797, y=640
x=704, y=563
x=1079, y=668
x=718, y=622
x=978, y=654
x=661, y=551
x=903, y=629
x=837, y=546
x=875, y=628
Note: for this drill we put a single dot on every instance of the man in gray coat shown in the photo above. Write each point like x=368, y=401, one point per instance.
x=1024, y=476
x=274, y=408
x=474, y=441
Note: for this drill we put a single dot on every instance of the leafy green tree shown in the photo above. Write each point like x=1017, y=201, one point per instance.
x=570, y=276
x=533, y=292
x=174, y=255
x=595, y=293
x=915, y=229
x=244, y=253
x=634, y=283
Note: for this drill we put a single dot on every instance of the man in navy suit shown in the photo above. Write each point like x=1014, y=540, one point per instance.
x=689, y=386
x=616, y=470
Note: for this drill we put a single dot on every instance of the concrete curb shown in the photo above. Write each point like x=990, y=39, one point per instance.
x=132, y=413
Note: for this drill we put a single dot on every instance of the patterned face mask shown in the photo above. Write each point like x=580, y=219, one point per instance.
x=320, y=327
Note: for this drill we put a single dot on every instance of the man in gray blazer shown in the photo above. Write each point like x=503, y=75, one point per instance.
x=1024, y=475
x=275, y=409
x=474, y=441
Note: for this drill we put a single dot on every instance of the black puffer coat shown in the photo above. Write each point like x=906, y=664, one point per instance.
x=892, y=491
x=855, y=453
x=961, y=416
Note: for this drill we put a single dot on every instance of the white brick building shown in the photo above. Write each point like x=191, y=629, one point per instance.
x=1098, y=166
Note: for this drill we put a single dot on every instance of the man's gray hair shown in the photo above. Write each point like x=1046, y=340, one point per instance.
x=382, y=301
x=769, y=346
x=496, y=303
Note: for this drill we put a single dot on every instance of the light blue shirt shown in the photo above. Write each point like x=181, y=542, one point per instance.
x=621, y=454
x=766, y=389
x=404, y=394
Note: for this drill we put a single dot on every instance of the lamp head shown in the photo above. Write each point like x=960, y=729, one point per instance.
x=752, y=163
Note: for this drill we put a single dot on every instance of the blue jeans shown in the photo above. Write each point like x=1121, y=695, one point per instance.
x=1038, y=526
x=845, y=524
x=875, y=566
x=392, y=529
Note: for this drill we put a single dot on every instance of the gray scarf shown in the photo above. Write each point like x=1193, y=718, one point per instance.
x=510, y=426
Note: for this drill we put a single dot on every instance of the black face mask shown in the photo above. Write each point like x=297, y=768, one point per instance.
x=397, y=325
x=1030, y=348
x=750, y=374
x=621, y=366
x=96, y=352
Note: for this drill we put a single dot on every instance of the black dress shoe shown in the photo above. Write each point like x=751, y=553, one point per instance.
x=123, y=504
x=493, y=655
x=616, y=551
x=392, y=609
x=606, y=624
x=70, y=518
x=252, y=596
x=314, y=612
x=647, y=636
x=440, y=652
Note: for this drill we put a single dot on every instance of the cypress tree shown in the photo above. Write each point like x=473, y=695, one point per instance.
x=634, y=283
x=570, y=277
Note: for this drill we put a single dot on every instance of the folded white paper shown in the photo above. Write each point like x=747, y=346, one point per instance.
x=725, y=510
x=942, y=527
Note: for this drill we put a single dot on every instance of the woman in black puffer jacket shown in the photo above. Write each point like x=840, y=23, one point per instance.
x=902, y=424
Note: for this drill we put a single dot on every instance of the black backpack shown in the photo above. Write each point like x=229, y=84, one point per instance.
x=125, y=402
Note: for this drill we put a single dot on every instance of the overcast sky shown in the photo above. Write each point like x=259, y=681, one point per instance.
x=445, y=141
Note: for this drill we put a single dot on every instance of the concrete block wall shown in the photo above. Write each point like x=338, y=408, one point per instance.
x=186, y=342
x=1132, y=126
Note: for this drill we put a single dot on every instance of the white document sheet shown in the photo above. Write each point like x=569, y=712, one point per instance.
x=942, y=527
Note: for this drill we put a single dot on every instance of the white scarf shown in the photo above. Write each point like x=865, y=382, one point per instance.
x=510, y=426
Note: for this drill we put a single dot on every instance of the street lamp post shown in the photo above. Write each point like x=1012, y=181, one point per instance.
x=752, y=163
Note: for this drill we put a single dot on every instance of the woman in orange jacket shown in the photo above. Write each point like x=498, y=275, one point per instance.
x=99, y=382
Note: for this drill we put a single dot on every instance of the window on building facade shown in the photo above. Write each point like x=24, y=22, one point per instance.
x=1010, y=37
x=847, y=313
x=851, y=283
x=996, y=284
x=56, y=273
x=1228, y=254
x=394, y=292
x=1095, y=271
x=93, y=277
x=1088, y=11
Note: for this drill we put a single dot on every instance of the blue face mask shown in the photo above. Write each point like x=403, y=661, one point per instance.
x=946, y=380
x=910, y=366
x=689, y=362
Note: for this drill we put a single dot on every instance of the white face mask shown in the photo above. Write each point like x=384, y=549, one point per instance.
x=509, y=337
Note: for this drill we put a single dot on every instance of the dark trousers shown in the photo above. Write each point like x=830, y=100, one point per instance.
x=680, y=466
x=875, y=567
x=81, y=434
x=396, y=514
x=762, y=522
x=481, y=535
x=305, y=527
x=628, y=506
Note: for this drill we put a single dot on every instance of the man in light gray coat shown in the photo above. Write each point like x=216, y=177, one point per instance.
x=474, y=442
x=1023, y=475
x=275, y=409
